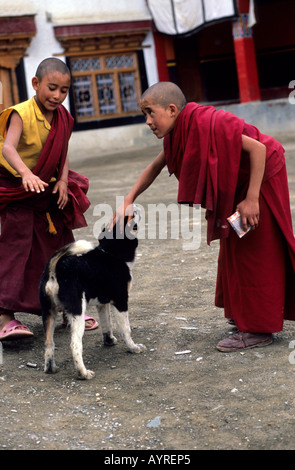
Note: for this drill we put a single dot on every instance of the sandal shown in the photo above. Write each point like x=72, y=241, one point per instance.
x=14, y=330
x=94, y=324
x=87, y=318
x=242, y=340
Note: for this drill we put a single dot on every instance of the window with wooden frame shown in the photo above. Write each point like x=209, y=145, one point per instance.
x=105, y=86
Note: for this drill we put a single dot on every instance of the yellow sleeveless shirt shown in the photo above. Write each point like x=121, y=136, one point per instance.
x=34, y=134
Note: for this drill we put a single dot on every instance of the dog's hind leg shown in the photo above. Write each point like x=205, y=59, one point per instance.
x=122, y=321
x=105, y=321
x=49, y=324
x=77, y=323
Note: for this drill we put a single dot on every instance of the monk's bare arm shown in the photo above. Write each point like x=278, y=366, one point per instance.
x=30, y=181
x=249, y=208
x=146, y=178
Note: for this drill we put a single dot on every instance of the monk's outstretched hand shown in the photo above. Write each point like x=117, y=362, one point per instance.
x=124, y=210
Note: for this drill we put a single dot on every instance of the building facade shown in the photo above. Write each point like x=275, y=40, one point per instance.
x=231, y=51
x=245, y=55
x=109, y=48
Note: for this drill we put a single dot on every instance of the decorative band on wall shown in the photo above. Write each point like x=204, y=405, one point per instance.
x=241, y=28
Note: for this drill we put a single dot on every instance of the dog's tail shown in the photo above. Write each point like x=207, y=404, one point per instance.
x=77, y=248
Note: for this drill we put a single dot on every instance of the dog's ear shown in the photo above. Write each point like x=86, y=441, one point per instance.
x=133, y=223
x=102, y=233
x=137, y=215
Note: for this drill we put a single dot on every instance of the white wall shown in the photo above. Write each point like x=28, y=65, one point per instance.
x=96, y=11
x=43, y=44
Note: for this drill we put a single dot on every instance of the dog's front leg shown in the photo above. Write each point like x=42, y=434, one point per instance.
x=122, y=321
x=77, y=331
x=105, y=321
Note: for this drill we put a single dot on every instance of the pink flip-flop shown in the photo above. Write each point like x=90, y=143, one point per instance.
x=87, y=318
x=94, y=323
x=14, y=330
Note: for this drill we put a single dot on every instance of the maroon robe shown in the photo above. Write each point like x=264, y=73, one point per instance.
x=255, y=276
x=25, y=241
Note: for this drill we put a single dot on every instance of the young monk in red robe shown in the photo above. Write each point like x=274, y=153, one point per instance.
x=41, y=200
x=226, y=165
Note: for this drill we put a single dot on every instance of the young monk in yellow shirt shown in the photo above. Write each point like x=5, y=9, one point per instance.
x=38, y=194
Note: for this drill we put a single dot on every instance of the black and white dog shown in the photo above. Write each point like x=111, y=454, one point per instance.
x=80, y=273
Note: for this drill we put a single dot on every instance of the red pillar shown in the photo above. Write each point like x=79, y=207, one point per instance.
x=245, y=60
x=165, y=55
x=160, y=49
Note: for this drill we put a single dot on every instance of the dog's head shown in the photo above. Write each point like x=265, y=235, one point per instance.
x=122, y=243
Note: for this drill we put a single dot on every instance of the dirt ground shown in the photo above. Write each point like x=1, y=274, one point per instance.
x=181, y=393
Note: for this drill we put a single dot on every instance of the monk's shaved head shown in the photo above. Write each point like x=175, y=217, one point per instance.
x=165, y=93
x=52, y=64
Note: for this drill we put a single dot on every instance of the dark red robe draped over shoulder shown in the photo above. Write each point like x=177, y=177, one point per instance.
x=255, y=280
x=25, y=241
x=193, y=151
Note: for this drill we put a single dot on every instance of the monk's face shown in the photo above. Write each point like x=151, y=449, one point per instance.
x=52, y=90
x=159, y=119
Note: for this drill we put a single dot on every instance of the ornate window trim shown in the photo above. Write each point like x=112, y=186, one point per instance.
x=98, y=42
x=102, y=37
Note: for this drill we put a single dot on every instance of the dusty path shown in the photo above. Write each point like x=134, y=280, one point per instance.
x=181, y=394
